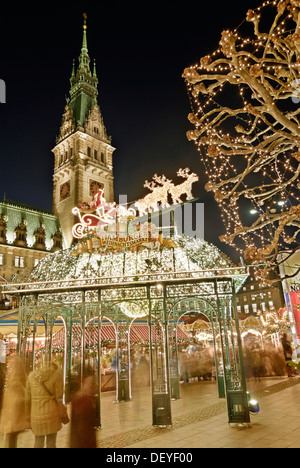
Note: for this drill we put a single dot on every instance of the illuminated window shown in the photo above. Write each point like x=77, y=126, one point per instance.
x=19, y=262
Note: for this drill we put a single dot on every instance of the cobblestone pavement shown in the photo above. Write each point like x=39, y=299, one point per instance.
x=195, y=417
x=145, y=433
x=130, y=438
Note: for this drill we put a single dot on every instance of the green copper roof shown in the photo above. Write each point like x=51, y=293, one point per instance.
x=16, y=213
x=83, y=90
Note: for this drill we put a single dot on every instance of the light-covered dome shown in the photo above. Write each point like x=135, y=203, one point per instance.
x=190, y=255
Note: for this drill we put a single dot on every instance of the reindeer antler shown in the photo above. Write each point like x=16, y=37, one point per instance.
x=183, y=172
x=161, y=179
x=150, y=185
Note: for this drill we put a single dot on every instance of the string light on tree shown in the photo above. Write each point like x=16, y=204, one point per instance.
x=249, y=140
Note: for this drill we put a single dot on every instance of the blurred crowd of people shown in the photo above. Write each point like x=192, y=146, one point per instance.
x=196, y=362
x=35, y=402
x=264, y=361
x=260, y=360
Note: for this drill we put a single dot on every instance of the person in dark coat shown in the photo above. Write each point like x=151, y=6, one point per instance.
x=288, y=352
x=83, y=416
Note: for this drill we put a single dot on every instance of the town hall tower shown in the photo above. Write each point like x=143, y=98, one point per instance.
x=83, y=151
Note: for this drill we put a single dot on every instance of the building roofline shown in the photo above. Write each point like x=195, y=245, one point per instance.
x=26, y=207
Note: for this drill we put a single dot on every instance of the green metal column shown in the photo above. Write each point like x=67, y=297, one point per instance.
x=160, y=379
x=69, y=325
x=98, y=401
x=35, y=325
x=173, y=358
x=235, y=384
x=218, y=361
x=83, y=322
x=122, y=357
x=240, y=398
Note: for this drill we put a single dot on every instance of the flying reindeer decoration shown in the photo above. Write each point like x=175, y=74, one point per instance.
x=161, y=188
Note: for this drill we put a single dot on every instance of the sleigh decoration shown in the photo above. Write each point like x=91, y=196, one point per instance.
x=107, y=227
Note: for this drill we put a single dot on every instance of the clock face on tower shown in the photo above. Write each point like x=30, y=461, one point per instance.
x=94, y=187
x=64, y=190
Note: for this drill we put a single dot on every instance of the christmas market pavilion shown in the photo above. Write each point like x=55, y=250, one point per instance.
x=79, y=294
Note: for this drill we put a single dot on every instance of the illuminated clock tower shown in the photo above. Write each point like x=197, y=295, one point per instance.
x=83, y=151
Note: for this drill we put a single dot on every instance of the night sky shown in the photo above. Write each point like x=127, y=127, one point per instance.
x=141, y=50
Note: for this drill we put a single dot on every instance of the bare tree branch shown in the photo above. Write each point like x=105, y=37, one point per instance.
x=247, y=129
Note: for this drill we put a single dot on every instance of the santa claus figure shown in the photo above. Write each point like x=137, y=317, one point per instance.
x=98, y=199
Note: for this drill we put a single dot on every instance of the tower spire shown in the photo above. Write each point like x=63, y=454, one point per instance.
x=83, y=92
x=84, y=59
x=83, y=151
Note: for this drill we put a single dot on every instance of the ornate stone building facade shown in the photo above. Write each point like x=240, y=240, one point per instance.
x=83, y=151
x=26, y=236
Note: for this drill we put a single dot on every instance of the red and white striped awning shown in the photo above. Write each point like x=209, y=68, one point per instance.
x=138, y=333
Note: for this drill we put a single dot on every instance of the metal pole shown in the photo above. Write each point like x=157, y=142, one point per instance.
x=99, y=358
x=83, y=321
x=240, y=349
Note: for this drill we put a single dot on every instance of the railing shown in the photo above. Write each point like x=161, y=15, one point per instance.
x=130, y=280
